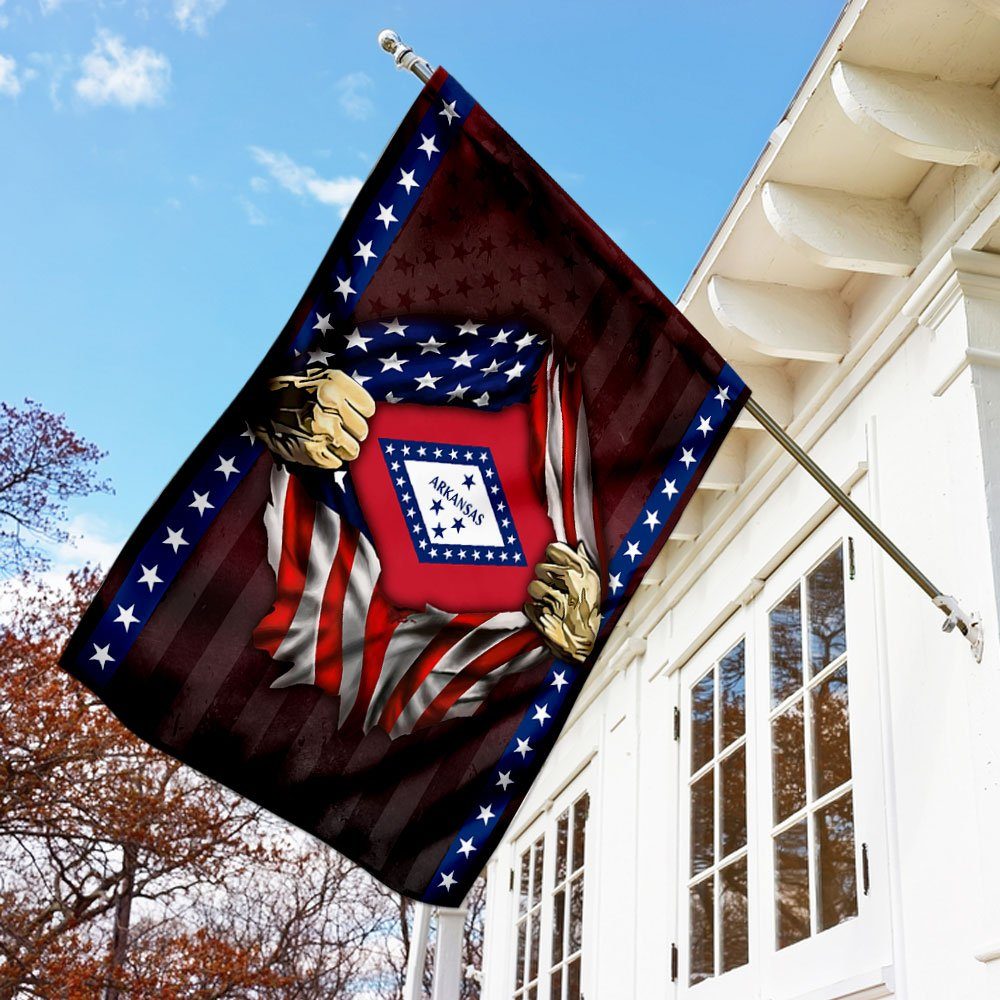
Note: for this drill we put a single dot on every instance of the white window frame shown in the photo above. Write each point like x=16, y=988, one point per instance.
x=862, y=943
x=546, y=825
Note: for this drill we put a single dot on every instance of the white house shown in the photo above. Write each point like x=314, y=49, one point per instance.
x=782, y=780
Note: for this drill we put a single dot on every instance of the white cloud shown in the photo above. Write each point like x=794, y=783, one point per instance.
x=254, y=215
x=10, y=84
x=352, y=91
x=339, y=192
x=49, y=6
x=194, y=15
x=115, y=74
x=259, y=184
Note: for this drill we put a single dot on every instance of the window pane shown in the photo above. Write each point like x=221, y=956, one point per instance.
x=519, y=971
x=555, y=993
x=789, y=757
x=562, y=836
x=533, y=952
x=573, y=981
x=825, y=593
x=733, y=695
x=702, y=823
x=733, y=907
x=533, y=993
x=791, y=896
x=733, y=807
x=702, y=923
x=558, y=923
x=536, y=879
x=702, y=722
x=831, y=733
x=576, y=915
x=581, y=809
x=835, y=870
x=786, y=648
x=522, y=904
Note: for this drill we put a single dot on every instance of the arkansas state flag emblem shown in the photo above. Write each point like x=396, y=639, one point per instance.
x=371, y=596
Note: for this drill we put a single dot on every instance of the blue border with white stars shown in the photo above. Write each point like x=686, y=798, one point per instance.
x=452, y=552
x=167, y=546
x=504, y=786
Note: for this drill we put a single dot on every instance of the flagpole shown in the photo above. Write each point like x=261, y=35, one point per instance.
x=968, y=624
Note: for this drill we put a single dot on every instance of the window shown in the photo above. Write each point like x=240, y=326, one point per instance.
x=815, y=886
x=781, y=803
x=717, y=890
x=567, y=901
x=529, y=919
x=549, y=918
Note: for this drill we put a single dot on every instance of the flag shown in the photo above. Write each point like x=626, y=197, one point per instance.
x=371, y=596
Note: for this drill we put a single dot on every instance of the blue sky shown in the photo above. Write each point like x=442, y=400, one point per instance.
x=174, y=169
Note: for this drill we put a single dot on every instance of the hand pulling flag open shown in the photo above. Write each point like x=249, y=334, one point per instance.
x=371, y=596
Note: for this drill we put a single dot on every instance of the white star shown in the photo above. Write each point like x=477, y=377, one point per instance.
x=428, y=146
x=652, y=519
x=559, y=679
x=467, y=847
x=319, y=356
x=523, y=748
x=447, y=881
x=514, y=371
x=385, y=214
x=248, y=433
x=633, y=551
x=463, y=360
x=125, y=616
x=688, y=457
x=469, y=327
x=500, y=338
x=541, y=714
x=149, y=577
x=391, y=397
x=344, y=287
x=705, y=426
x=175, y=539
x=364, y=251
x=395, y=327
x=360, y=379
x=430, y=345
x=526, y=341
x=723, y=394
x=395, y=363
x=485, y=814
x=428, y=381
x=103, y=655
x=505, y=780
x=356, y=340
x=226, y=467
x=200, y=502
x=323, y=323
x=615, y=582
x=458, y=392
x=483, y=400
x=406, y=180
x=340, y=478
x=492, y=368
x=449, y=111
x=669, y=487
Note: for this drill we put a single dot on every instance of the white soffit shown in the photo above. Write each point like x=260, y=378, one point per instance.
x=922, y=117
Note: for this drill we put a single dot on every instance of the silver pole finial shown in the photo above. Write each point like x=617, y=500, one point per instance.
x=403, y=56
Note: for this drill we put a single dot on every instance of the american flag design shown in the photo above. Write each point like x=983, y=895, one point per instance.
x=424, y=632
x=281, y=629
